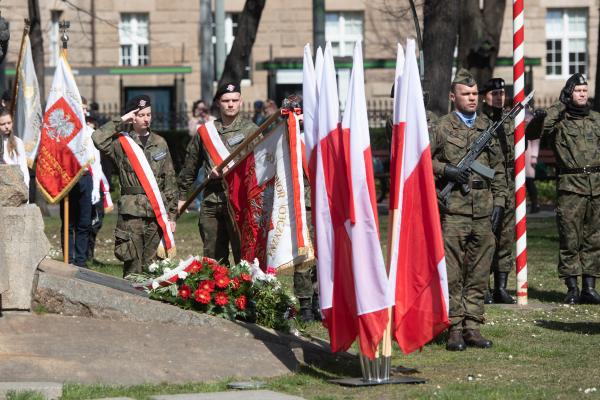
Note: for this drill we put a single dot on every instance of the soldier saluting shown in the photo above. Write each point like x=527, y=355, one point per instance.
x=574, y=132
x=467, y=217
x=148, y=203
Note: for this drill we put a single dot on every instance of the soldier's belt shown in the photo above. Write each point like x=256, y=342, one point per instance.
x=583, y=170
x=132, y=190
x=479, y=185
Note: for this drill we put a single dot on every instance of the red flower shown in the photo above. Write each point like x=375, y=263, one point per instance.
x=195, y=267
x=209, y=261
x=221, y=281
x=271, y=271
x=235, y=283
x=184, y=292
x=221, y=298
x=202, y=296
x=245, y=277
x=220, y=270
x=240, y=302
x=207, y=285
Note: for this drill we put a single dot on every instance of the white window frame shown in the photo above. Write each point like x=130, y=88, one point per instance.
x=346, y=40
x=565, y=36
x=131, y=35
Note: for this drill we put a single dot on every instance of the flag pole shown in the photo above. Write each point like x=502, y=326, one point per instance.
x=13, y=106
x=64, y=25
x=520, y=194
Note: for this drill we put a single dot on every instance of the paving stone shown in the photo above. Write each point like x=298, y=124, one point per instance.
x=230, y=395
x=50, y=390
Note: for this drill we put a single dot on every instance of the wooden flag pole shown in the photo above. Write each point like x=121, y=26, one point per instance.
x=19, y=60
x=64, y=25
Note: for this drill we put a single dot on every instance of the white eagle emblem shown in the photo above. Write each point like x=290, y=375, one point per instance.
x=142, y=103
x=230, y=88
x=59, y=125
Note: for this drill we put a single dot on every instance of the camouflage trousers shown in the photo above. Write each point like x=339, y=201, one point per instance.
x=578, y=219
x=305, y=281
x=136, y=241
x=218, y=232
x=505, y=242
x=469, y=245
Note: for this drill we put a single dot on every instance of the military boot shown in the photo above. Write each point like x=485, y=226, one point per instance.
x=455, y=341
x=488, y=299
x=572, y=291
x=501, y=296
x=316, y=308
x=473, y=338
x=306, y=313
x=588, y=291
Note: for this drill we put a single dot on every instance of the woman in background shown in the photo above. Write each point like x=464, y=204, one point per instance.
x=13, y=149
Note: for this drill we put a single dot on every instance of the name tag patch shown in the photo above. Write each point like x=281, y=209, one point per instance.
x=159, y=156
x=235, y=140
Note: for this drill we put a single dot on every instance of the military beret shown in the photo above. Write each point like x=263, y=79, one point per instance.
x=230, y=87
x=141, y=101
x=492, y=84
x=576, y=79
x=464, y=77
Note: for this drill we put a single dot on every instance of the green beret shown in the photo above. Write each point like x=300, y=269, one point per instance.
x=464, y=77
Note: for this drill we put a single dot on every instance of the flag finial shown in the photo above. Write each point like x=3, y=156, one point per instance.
x=64, y=26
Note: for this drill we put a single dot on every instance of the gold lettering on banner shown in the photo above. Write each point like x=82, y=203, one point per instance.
x=282, y=217
x=51, y=166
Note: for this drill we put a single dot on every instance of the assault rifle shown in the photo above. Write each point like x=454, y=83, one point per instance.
x=469, y=161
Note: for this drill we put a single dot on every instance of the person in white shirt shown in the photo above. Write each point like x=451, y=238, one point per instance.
x=13, y=149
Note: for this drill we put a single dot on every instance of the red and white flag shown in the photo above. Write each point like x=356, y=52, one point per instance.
x=65, y=149
x=415, y=245
x=352, y=274
x=266, y=197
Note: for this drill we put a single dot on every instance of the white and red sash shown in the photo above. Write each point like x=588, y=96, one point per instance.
x=146, y=177
x=216, y=149
x=105, y=187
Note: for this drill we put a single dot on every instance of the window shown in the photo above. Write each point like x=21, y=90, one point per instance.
x=134, y=39
x=55, y=43
x=566, y=42
x=231, y=25
x=343, y=29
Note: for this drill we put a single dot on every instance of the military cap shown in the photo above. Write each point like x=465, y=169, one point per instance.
x=137, y=102
x=464, y=77
x=492, y=84
x=229, y=87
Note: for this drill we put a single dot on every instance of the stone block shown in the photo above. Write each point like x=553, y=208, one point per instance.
x=49, y=390
x=13, y=191
x=23, y=245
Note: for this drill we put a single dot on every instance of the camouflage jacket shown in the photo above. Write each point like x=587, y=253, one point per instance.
x=159, y=158
x=576, y=143
x=197, y=157
x=450, y=141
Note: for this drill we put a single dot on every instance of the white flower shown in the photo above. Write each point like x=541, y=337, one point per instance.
x=256, y=263
x=182, y=274
x=245, y=264
x=155, y=284
x=153, y=267
x=166, y=270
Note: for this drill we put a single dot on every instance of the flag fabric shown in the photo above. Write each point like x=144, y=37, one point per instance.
x=416, y=248
x=266, y=197
x=64, y=150
x=28, y=108
x=100, y=183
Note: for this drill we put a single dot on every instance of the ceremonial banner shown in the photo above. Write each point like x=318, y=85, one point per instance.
x=65, y=149
x=266, y=197
x=415, y=245
x=100, y=183
x=28, y=109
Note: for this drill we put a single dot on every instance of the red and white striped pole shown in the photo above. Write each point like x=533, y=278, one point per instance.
x=520, y=194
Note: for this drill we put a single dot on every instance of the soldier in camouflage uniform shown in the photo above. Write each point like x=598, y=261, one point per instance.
x=216, y=225
x=574, y=132
x=493, y=107
x=467, y=219
x=137, y=234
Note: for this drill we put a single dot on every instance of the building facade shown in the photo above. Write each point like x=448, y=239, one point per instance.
x=153, y=46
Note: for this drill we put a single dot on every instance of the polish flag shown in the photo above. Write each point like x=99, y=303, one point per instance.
x=64, y=150
x=354, y=292
x=415, y=245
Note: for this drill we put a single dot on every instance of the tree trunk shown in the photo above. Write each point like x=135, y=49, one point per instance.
x=440, y=29
x=243, y=42
x=37, y=43
x=479, y=37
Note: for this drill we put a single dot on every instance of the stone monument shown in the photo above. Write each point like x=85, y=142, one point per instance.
x=23, y=244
